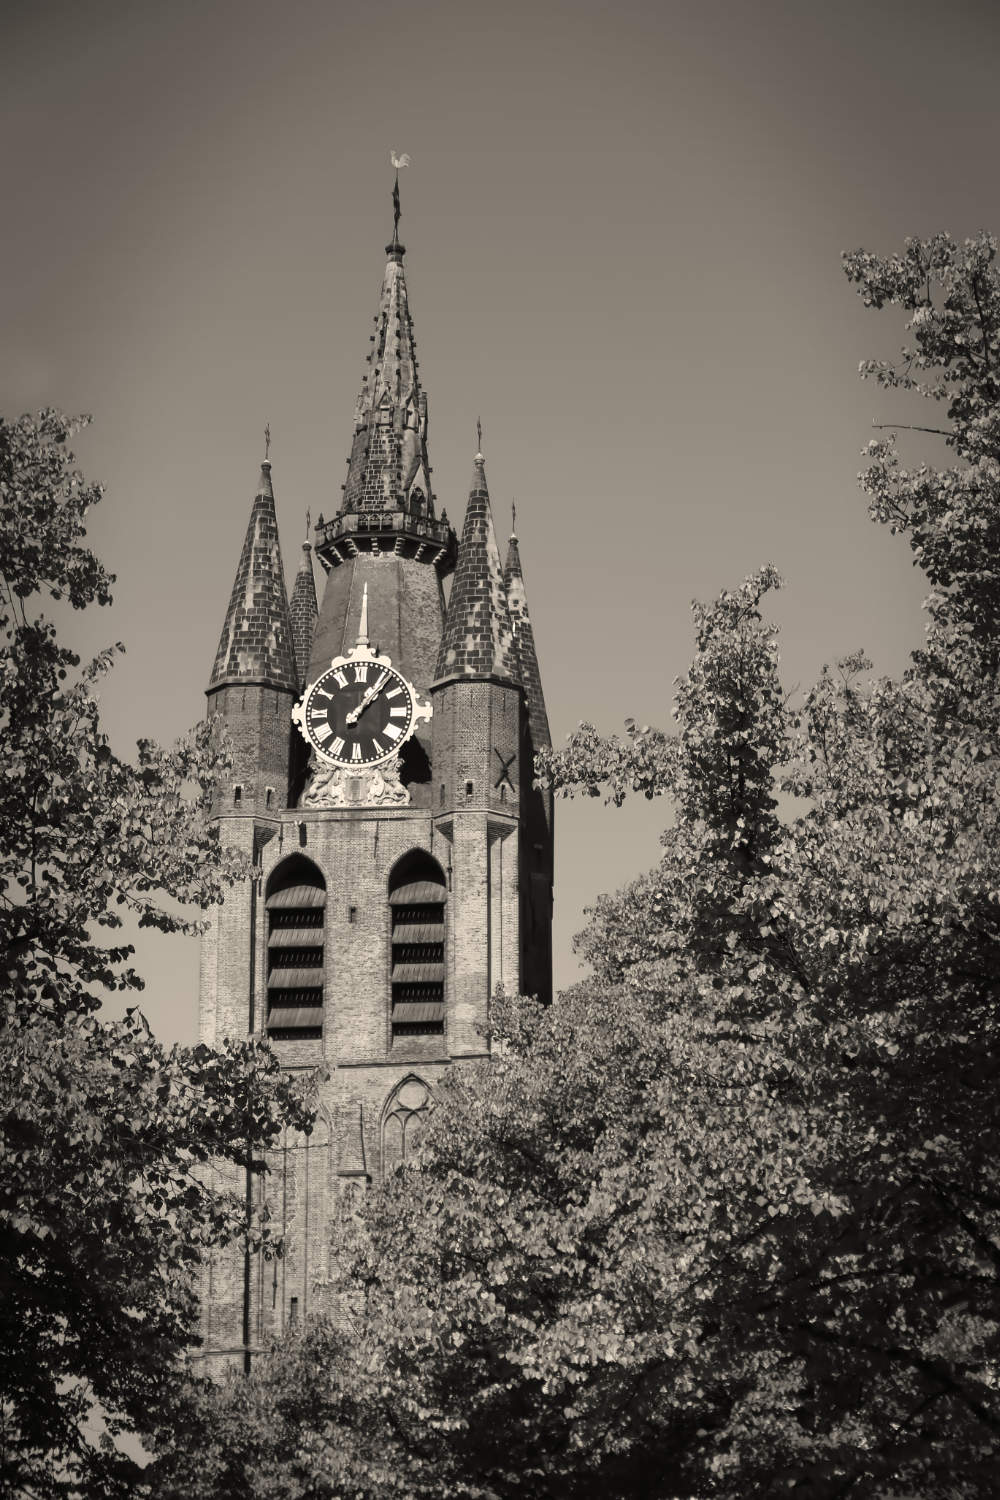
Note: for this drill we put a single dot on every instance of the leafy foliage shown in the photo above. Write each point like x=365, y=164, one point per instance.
x=725, y=1220
x=106, y=1206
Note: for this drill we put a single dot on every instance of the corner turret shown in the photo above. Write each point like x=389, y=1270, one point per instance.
x=304, y=610
x=478, y=639
x=254, y=678
x=537, y=805
x=478, y=773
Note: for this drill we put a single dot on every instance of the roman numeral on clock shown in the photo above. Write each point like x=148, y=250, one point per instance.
x=322, y=732
x=378, y=749
x=340, y=677
x=355, y=751
x=361, y=671
x=394, y=693
x=397, y=713
x=337, y=746
x=393, y=731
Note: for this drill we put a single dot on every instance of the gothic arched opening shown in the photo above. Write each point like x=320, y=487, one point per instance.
x=296, y=906
x=405, y=1111
x=417, y=899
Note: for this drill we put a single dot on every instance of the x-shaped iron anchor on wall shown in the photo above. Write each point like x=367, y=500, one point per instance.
x=505, y=766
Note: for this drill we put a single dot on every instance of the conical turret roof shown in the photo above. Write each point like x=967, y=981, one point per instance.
x=304, y=611
x=524, y=643
x=256, y=641
x=478, y=639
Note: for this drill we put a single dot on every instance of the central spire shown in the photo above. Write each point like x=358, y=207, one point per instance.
x=388, y=470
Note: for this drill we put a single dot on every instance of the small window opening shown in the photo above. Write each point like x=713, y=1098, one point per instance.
x=293, y=1310
x=352, y=912
x=268, y=796
x=302, y=836
x=442, y=794
x=237, y=796
x=468, y=788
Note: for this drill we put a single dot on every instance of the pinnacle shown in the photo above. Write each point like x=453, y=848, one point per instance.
x=478, y=639
x=256, y=642
x=524, y=642
x=303, y=612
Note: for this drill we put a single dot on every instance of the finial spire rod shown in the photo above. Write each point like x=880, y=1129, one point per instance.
x=397, y=161
x=513, y=518
x=479, y=437
x=267, y=443
x=308, y=525
x=363, y=627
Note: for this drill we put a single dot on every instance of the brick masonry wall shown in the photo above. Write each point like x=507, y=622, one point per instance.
x=477, y=730
x=258, y=720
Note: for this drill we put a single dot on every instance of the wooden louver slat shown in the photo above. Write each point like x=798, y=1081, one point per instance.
x=293, y=896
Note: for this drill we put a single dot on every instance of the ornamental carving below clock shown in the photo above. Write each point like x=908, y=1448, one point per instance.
x=355, y=718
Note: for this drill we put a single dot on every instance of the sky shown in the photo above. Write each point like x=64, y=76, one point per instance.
x=623, y=227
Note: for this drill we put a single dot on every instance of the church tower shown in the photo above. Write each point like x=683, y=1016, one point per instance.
x=382, y=789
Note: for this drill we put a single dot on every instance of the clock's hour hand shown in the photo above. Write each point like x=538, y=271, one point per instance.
x=372, y=693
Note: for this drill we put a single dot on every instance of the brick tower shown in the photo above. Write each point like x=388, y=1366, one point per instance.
x=383, y=788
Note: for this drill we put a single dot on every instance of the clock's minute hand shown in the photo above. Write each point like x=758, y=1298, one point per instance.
x=373, y=692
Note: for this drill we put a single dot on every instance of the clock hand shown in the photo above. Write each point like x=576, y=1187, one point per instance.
x=372, y=693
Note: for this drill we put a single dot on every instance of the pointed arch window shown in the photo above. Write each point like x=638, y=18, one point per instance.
x=417, y=900
x=296, y=907
x=405, y=1112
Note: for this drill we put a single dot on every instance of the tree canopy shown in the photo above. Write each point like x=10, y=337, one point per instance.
x=105, y=1209
x=725, y=1220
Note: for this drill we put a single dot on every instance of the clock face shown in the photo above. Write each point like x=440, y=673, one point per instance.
x=357, y=713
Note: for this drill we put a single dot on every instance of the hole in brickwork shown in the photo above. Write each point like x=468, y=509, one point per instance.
x=269, y=796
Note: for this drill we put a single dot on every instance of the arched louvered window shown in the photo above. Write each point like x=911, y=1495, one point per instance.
x=296, y=905
x=417, y=896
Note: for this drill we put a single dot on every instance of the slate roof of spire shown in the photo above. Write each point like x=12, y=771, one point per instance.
x=256, y=641
x=303, y=612
x=478, y=639
x=388, y=468
x=524, y=644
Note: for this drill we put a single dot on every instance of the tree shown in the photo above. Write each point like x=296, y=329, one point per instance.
x=725, y=1220
x=105, y=1207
